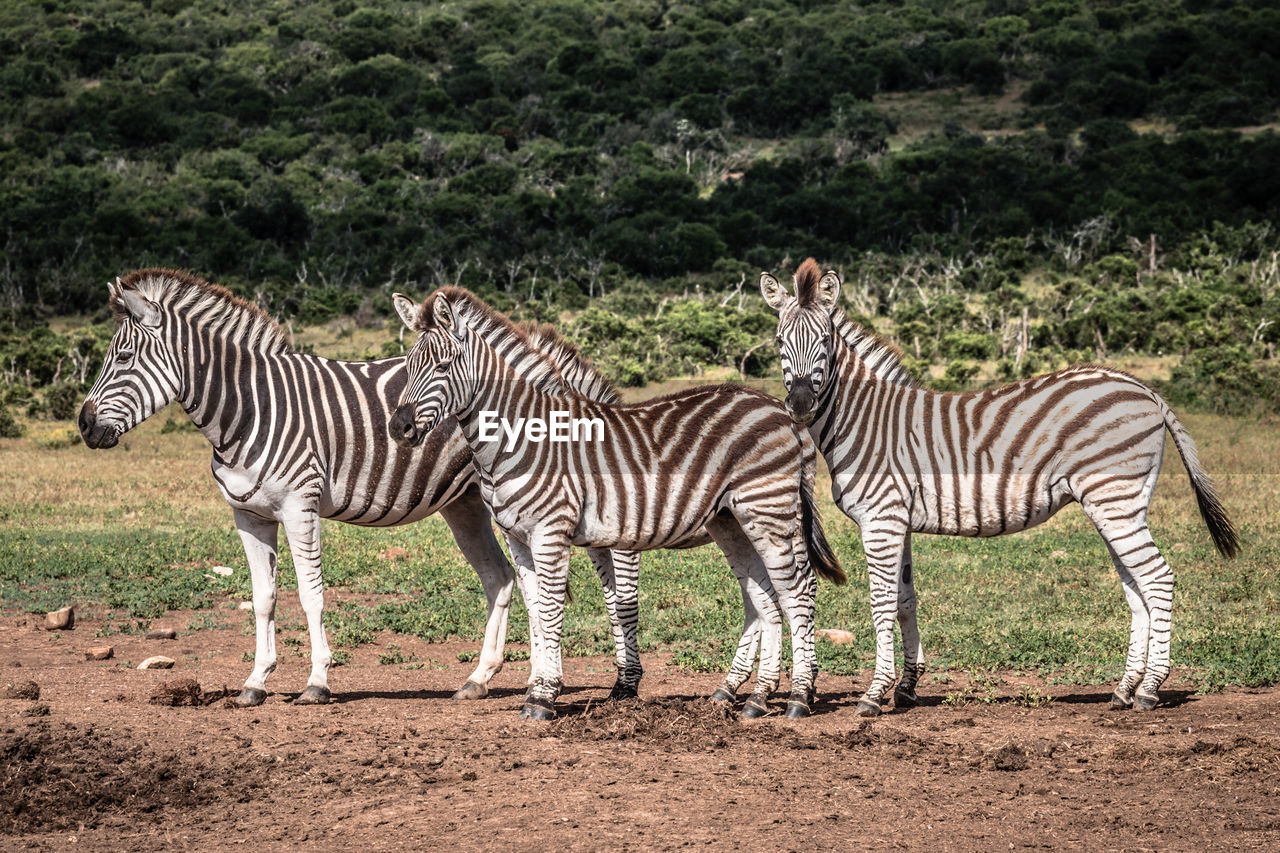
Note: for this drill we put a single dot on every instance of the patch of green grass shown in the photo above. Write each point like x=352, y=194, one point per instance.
x=134, y=531
x=395, y=655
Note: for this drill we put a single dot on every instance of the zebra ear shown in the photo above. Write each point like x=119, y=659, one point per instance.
x=773, y=292
x=829, y=289
x=113, y=288
x=407, y=309
x=140, y=308
x=442, y=311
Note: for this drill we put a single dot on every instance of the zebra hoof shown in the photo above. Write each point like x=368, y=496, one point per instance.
x=622, y=691
x=251, y=697
x=471, y=690
x=539, y=710
x=1144, y=702
x=868, y=708
x=754, y=709
x=1120, y=702
x=797, y=710
x=314, y=695
x=722, y=695
x=905, y=698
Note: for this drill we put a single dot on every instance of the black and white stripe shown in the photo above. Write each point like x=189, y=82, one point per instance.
x=296, y=438
x=907, y=460
x=721, y=457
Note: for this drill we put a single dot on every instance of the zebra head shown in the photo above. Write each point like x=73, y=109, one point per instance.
x=139, y=375
x=804, y=334
x=438, y=366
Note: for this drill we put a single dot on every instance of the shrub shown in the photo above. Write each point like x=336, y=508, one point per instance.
x=1224, y=380
x=9, y=426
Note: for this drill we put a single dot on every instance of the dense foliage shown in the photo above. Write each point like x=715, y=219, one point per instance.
x=549, y=153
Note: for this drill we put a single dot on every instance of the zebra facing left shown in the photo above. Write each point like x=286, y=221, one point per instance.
x=296, y=438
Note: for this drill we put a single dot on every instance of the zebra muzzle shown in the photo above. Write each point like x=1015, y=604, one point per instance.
x=403, y=429
x=801, y=399
x=97, y=435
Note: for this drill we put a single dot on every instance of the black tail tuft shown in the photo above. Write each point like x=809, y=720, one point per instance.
x=821, y=557
x=1215, y=518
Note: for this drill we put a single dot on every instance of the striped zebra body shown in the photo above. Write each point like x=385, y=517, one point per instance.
x=722, y=458
x=537, y=352
x=907, y=460
x=296, y=438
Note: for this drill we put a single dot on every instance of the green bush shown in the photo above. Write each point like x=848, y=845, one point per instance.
x=9, y=426
x=1224, y=380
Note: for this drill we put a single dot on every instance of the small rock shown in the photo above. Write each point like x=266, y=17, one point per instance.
x=99, y=653
x=836, y=635
x=60, y=620
x=38, y=710
x=20, y=690
x=1010, y=757
x=393, y=553
x=1058, y=555
x=245, y=605
x=224, y=571
x=162, y=634
x=157, y=662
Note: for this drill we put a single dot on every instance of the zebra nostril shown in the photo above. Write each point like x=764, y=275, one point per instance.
x=88, y=413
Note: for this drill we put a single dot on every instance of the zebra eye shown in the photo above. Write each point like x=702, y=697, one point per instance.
x=779, y=340
x=442, y=367
x=124, y=357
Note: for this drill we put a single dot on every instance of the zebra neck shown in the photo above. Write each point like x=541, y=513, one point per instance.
x=511, y=398
x=234, y=394
x=851, y=380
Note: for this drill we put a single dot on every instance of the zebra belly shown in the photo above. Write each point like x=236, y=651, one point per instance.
x=988, y=506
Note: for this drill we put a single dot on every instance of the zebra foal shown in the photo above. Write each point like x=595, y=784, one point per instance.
x=907, y=460
x=724, y=458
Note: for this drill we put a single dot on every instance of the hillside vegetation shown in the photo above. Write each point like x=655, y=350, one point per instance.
x=1007, y=185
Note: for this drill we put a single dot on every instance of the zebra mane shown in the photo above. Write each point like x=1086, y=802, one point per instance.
x=579, y=373
x=499, y=332
x=881, y=357
x=806, y=282
x=176, y=290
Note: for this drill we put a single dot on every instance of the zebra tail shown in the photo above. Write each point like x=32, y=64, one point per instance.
x=821, y=557
x=1215, y=517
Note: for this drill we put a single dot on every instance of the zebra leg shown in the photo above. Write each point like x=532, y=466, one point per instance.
x=468, y=519
x=904, y=696
x=769, y=674
x=619, y=573
x=762, y=623
x=744, y=659
x=259, y=536
x=1148, y=584
x=527, y=579
x=883, y=542
x=302, y=527
x=550, y=551
x=797, y=594
x=1139, y=637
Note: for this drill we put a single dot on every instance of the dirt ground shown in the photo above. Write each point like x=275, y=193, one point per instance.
x=93, y=763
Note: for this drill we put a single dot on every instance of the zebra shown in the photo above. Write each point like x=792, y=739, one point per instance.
x=721, y=457
x=296, y=438
x=537, y=352
x=907, y=460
